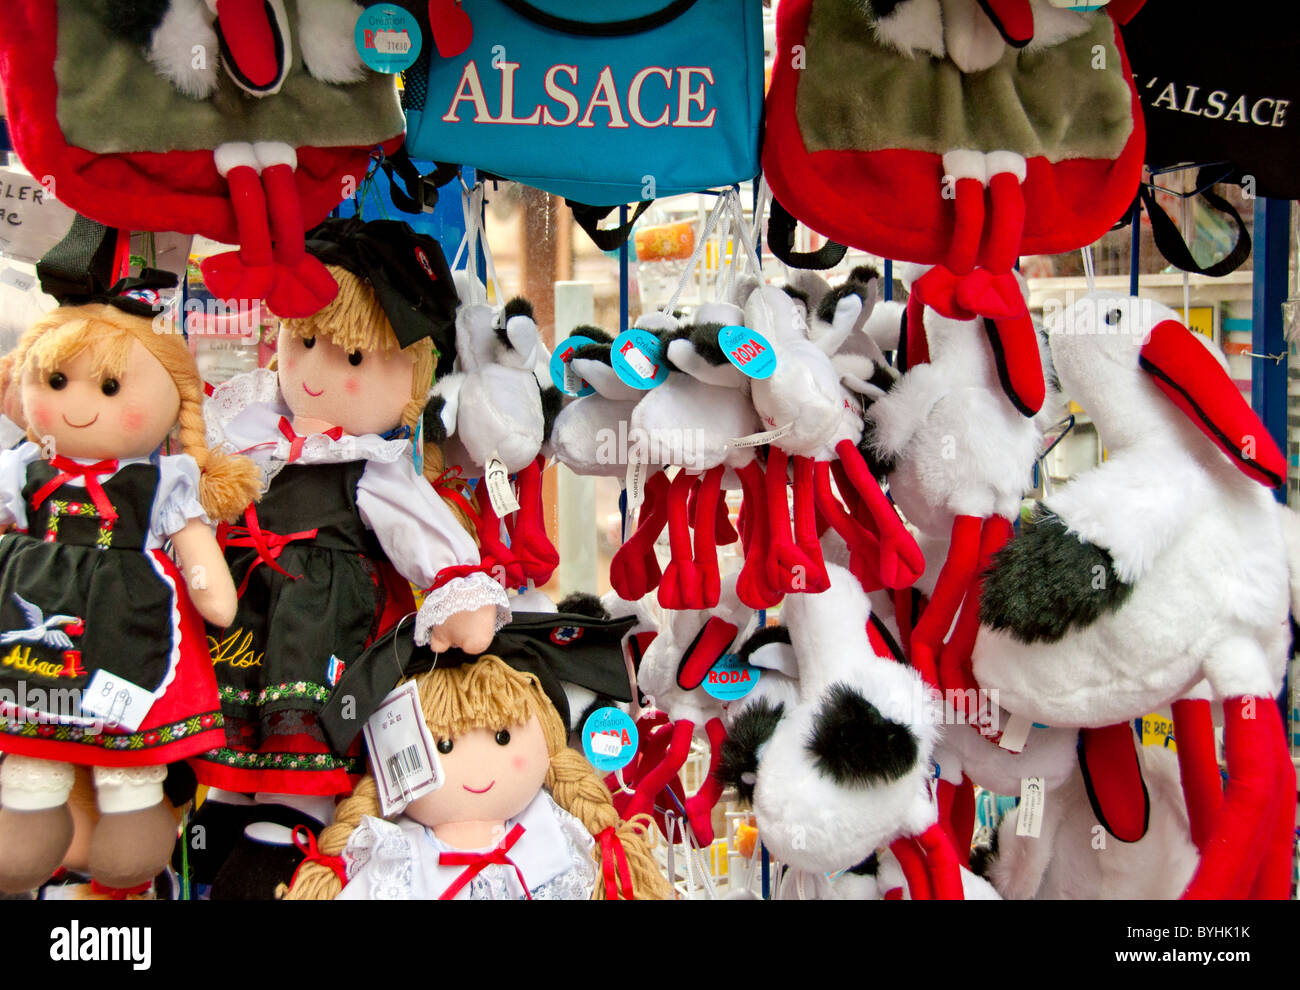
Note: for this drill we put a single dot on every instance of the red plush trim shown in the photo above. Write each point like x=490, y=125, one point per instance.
x=145, y=190
x=315, y=783
x=1196, y=383
x=95, y=756
x=1068, y=205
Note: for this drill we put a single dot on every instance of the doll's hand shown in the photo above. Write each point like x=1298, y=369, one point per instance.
x=470, y=631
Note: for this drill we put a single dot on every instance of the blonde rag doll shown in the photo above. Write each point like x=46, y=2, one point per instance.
x=519, y=815
x=89, y=599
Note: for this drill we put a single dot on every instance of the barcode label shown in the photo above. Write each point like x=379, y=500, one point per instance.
x=402, y=750
x=403, y=764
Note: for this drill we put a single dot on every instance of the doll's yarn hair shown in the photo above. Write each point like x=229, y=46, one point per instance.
x=490, y=694
x=355, y=321
x=227, y=483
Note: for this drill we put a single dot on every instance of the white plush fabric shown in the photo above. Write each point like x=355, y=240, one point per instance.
x=326, y=35
x=590, y=433
x=185, y=26
x=689, y=423
x=1074, y=858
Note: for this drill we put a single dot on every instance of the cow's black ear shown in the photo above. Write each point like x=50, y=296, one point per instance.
x=552, y=403
x=738, y=763
x=704, y=338
x=855, y=745
x=519, y=306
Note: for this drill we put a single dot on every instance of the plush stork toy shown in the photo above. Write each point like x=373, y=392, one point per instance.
x=1164, y=566
x=242, y=120
x=497, y=410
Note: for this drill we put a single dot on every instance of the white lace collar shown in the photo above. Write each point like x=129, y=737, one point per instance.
x=244, y=414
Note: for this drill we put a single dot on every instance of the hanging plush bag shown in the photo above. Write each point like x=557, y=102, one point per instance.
x=874, y=122
x=602, y=103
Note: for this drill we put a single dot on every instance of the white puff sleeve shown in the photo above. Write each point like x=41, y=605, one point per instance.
x=13, y=475
x=421, y=538
x=177, y=499
x=382, y=863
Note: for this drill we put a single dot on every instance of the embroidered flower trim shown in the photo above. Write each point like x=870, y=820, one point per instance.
x=283, y=761
x=160, y=736
x=247, y=698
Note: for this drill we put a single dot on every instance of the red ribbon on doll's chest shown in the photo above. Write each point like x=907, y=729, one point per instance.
x=475, y=863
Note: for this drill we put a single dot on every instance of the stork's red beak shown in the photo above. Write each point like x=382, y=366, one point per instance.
x=252, y=43
x=705, y=650
x=1013, y=19
x=1197, y=384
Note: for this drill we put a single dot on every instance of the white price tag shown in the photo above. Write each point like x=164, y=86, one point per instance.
x=403, y=754
x=121, y=704
x=19, y=280
x=635, y=485
x=500, y=492
x=573, y=382
x=1016, y=734
x=1033, y=797
x=606, y=745
x=639, y=363
x=392, y=42
x=761, y=439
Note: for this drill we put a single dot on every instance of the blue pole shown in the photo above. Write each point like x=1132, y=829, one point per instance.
x=623, y=322
x=1268, y=380
x=1135, y=251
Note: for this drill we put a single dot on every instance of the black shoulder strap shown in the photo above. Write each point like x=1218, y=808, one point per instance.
x=412, y=192
x=81, y=265
x=780, y=241
x=1169, y=239
x=611, y=239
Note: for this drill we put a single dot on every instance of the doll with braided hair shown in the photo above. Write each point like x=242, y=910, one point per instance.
x=519, y=814
x=92, y=608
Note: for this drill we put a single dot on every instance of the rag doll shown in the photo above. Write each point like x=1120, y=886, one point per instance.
x=349, y=521
x=519, y=815
x=90, y=603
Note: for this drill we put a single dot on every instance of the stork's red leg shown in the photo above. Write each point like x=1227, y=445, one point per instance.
x=752, y=586
x=634, y=571
x=949, y=589
x=1254, y=743
x=1198, y=766
x=1273, y=880
x=699, y=806
x=805, y=526
x=864, y=548
x=492, y=549
x=709, y=587
x=901, y=560
x=725, y=534
x=788, y=567
x=942, y=864
x=968, y=223
x=955, y=655
x=680, y=585
x=656, y=778
x=303, y=285
x=1006, y=221
x=528, y=535
x=246, y=274
x=908, y=854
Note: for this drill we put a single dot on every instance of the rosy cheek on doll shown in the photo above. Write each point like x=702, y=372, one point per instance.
x=133, y=419
x=42, y=416
x=352, y=386
x=519, y=763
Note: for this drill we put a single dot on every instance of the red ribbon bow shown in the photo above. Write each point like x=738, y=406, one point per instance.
x=448, y=485
x=296, y=442
x=613, y=857
x=69, y=469
x=478, y=862
x=306, y=843
x=268, y=545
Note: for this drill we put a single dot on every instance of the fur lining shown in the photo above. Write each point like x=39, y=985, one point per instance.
x=325, y=35
x=582, y=603
x=853, y=743
x=738, y=763
x=552, y=403
x=186, y=25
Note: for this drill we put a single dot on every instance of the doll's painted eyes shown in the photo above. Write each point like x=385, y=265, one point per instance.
x=1113, y=317
x=354, y=358
x=110, y=386
x=503, y=738
x=309, y=342
x=445, y=746
x=58, y=380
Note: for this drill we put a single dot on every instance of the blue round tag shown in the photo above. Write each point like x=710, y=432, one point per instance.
x=388, y=38
x=638, y=359
x=562, y=376
x=730, y=678
x=748, y=350
x=609, y=739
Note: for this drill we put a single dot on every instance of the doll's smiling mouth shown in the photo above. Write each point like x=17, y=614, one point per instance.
x=82, y=426
x=483, y=791
x=310, y=392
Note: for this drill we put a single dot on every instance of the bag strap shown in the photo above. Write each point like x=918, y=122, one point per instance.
x=1170, y=243
x=412, y=192
x=81, y=264
x=612, y=238
x=601, y=29
x=780, y=241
